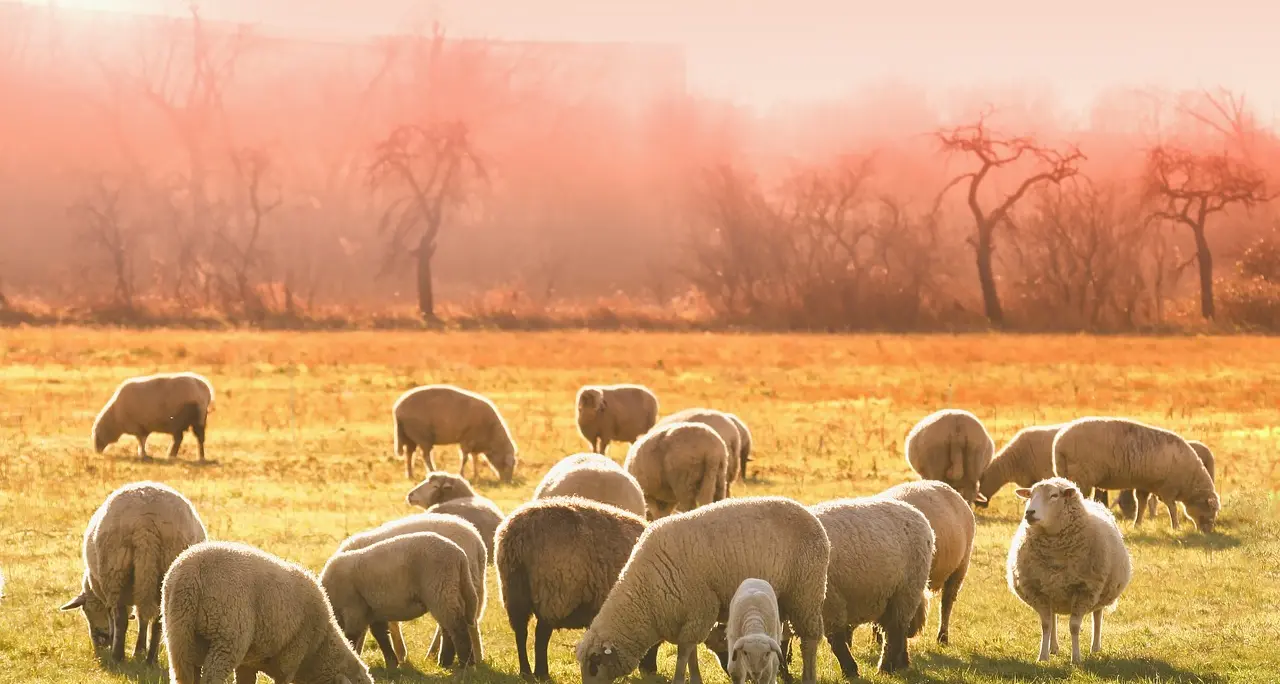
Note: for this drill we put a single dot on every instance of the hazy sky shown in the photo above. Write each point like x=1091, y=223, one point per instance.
x=764, y=50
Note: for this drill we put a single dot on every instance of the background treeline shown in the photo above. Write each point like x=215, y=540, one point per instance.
x=174, y=170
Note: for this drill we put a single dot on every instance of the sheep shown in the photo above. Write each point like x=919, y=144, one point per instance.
x=881, y=554
x=1067, y=557
x=1128, y=502
x=130, y=542
x=443, y=414
x=753, y=632
x=231, y=607
x=170, y=403
x=1025, y=460
x=448, y=493
x=400, y=579
x=615, y=413
x=684, y=572
x=594, y=477
x=953, y=533
x=951, y=446
x=558, y=558
x=454, y=528
x=725, y=426
x=678, y=465
x=1118, y=453
x=744, y=445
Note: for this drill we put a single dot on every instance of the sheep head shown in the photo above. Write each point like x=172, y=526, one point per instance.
x=96, y=615
x=1050, y=503
x=754, y=658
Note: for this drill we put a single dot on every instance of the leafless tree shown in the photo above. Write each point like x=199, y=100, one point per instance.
x=238, y=234
x=994, y=152
x=106, y=228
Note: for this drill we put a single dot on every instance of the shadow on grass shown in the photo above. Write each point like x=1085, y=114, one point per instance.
x=1059, y=667
x=132, y=670
x=409, y=672
x=1214, y=541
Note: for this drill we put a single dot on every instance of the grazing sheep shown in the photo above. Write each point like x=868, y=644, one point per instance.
x=753, y=632
x=448, y=493
x=170, y=403
x=615, y=413
x=744, y=445
x=130, y=542
x=558, y=558
x=1128, y=502
x=684, y=572
x=443, y=414
x=678, y=465
x=1067, y=557
x=881, y=554
x=454, y=528
x=725, y=426
x=1118, y=453
x=401, y=579
x=1025, y=460
x=951, y=446
x=953, y=532
x=594, y=477
x=232, y=608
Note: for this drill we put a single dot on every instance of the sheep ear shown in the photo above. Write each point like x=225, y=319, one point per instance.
x=776, y=648
x=1023, y=493
x=981, y=500
x=76, y=602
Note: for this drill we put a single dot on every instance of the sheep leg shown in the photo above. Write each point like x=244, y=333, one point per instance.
x=437, y=639
x=427, y=461
x=950, y=591
x=1075, y=637
x=1151, y=501
x=683, y=652
x=142, y=448
x=246, y=675
x=1141, y=513
x=382, y=635
x=154, y=649
x=222, y=661
x=1046, y=635
x=119, y=628
x=809, y=658
x=177, y=444
x=893, y=656
x=649, y=663
x=140, y=644
x=475, y=467
x=447, y=650
x=541, y=642
x=836, y=638
x=521, y=629
x=1173, y=513
x=1053, y=634
x=604, y=445
x=461, y=637
x=695, y=671
x=198, y=430
x=397, y=641
x=1097, y=631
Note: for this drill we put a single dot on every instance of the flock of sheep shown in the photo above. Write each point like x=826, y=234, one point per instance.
x=602, y=547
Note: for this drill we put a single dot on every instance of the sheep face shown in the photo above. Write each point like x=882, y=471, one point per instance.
x=95, y=614
x=1204, y=512
x=590, y=403
x=438, y=488
x=755, y=658
x=600, y=662
x=1048, y=502
x=347, y=605
x=503, y=459
x=105, y=431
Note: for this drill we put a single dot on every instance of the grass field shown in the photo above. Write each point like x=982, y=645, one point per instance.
x=301, y=436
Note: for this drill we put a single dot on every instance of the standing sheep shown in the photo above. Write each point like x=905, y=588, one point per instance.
x=594, y=477
x=170, y=403
x=1118, y=453
x=684, y=572
x=753, y=633
x=1128, y=502
x=558, y=559
x=1024, y=461
x=448, y=493
x=951, y=446
x=454, y=528
x=881, y=554
x=1067, y=557
x=232, y=608
x=401, y=579
x=678, y=465
x=953, y=532
x=744, y=444
x=443, y=414
x=615, y=413
x=129, y=544
x=725, y=426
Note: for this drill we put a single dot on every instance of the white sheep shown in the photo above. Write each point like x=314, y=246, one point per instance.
x=401, y=579
x=1118, y=453
x=169, y=403
x=448, y=493
x=433, y=415
x=753, y=632
x=1025, y=460
x=1067, y=558
x=1128, y=501
x=680, y=465
x=615, y=413
x=594, y=477
x=881, y=553
x=684, y=572
x=954, y=528
x=130, y=542
x=725, y=425
x=558, y=558
x=951, y=446
x=744, y=444
x=454, y=528
x=233, y=608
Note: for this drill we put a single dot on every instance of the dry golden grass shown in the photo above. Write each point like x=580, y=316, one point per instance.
x=302, y=433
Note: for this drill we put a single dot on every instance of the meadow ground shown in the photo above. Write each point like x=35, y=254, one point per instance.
x=302, y=439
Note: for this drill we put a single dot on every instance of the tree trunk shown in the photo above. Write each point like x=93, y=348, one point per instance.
x=426, y=295
x=987, y=278
x=1205, y=258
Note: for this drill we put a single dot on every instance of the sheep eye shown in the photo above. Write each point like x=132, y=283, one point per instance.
x=1053, y=496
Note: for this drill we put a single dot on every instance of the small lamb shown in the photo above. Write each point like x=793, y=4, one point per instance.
x=753, y=632
x=1067, y=557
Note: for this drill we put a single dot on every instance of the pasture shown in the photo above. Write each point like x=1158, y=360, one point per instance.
x=301, y=439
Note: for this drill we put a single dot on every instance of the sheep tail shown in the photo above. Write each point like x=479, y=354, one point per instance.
x=148, y=573
x=956, y=469
x=712, y=486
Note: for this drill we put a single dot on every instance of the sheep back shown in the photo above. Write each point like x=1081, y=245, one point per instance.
x=952, y=523
x=724, y=425
x=595, y=477
x=1025, y=460
x=951, y=446
x=678, y=465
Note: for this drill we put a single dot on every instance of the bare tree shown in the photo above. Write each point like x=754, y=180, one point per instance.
x=995, y=152
x=107, y=229
x=427, y=170
x=238, y=237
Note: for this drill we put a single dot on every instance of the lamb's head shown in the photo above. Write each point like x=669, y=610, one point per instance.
x=754, y=658
x=105, y=428
x=601, y=661
x=440, y=487
x=338, y=662
x=590, y=402
x=1203, y=510
x=95, y=614
x=1051, y=503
